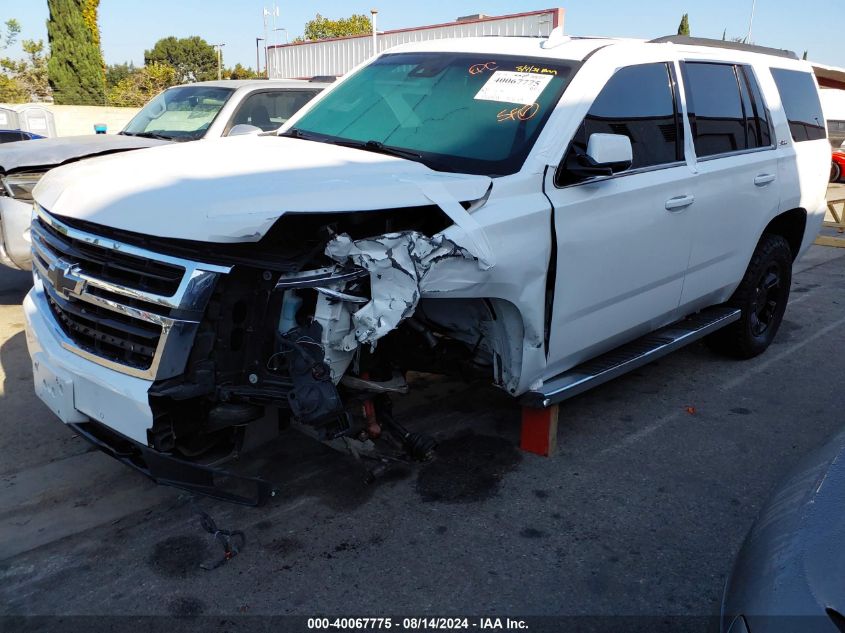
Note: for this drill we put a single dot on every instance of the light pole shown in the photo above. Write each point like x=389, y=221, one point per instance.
x=374, y=13
x=219, y=48
x=257, y=56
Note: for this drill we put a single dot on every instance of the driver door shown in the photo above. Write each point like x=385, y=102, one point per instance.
x=623, y=241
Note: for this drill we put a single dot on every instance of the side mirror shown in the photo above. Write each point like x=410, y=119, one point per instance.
x=606, y=154
x=611, y=150
x=242, y=129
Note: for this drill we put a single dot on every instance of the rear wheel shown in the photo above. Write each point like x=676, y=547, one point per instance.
x=835, y=171
x=762, y=297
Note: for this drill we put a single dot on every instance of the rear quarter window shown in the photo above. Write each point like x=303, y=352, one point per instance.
x=801, y=103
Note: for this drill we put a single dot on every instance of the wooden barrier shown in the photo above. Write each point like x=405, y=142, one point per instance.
x=838, y=215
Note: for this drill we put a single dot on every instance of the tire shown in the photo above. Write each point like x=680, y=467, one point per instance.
x=835, y=172
x=762, y=296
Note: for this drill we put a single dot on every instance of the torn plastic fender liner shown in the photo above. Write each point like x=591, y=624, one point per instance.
x=398, y=264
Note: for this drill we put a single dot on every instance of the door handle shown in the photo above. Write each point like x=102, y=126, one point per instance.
x=764, y=179
x=680, y=203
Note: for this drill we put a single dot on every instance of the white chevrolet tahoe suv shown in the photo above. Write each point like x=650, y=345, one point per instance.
x=544, y=213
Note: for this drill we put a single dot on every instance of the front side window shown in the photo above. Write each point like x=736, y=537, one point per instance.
x=179, y=114
x=801, y=103
x=640, y=103
x=269, y=110
x=455, y=112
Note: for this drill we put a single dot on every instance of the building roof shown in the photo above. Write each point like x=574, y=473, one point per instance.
x=572, y=48
x=557, y=13
x=829, y=76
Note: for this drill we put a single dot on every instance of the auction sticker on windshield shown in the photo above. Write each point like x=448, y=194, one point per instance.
x=511, y=87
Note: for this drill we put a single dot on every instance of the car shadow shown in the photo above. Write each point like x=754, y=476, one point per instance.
x=14, y=363
x=14, y=284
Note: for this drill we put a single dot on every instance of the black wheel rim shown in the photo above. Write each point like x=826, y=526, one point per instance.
x=768, y=297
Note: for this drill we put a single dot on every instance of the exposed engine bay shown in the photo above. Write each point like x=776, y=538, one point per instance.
x=322, y=338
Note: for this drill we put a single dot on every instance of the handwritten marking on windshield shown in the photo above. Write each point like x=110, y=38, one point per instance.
x=528, y=68
x=523, y=113
x=477, y=69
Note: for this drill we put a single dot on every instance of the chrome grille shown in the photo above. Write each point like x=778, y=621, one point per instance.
x=113, y=266
x=120, y=306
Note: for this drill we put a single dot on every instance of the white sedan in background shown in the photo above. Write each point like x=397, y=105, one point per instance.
x=209, y=109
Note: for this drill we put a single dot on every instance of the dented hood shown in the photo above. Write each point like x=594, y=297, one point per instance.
x=50, y=152
x=232, y=190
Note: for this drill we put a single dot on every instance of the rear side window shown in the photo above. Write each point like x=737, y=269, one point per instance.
x=715, y=108
x=726, y=110
x=640, y=103
x=801, y=103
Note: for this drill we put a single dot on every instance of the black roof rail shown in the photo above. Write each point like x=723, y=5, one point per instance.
x=736, y=46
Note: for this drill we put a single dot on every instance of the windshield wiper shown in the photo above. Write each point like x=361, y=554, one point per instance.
x=149, y=135
x=297, y=133
x=380, y=148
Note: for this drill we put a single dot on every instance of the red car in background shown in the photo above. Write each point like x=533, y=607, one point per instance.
x=837, y=167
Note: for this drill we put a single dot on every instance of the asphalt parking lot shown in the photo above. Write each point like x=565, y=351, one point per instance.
x=657, y=479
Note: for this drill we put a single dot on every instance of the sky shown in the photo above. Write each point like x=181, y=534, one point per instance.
x=129, y=27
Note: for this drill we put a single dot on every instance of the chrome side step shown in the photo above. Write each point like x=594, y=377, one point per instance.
x=630, y=356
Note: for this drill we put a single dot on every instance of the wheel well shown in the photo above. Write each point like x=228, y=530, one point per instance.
x=790, y=225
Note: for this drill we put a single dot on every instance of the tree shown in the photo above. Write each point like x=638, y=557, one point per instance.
x=76, y=69
x=805, y=55
x=321, y=28
x=25, y=80
x=115, y=73
x=192, y=58
x=143, y=84
x=240, y=72
x=13, y=29
x=683, y=27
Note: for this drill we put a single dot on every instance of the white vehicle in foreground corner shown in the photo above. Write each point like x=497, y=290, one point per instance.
x=545, y=213
x=203, y=110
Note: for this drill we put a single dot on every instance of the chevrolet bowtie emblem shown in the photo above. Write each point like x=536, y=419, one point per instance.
x=65, y=278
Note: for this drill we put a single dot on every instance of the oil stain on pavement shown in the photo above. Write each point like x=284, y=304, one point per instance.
x=179, y=556
x=468, y=468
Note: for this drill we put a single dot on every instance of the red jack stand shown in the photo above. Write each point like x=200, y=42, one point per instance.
x=539, y=430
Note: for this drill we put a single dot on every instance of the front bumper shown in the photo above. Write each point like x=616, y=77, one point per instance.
x=111, y=410
x=76, y=389
x=167, y=470
x=15, y=245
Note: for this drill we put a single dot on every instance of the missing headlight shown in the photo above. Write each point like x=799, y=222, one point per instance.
x=20, y=186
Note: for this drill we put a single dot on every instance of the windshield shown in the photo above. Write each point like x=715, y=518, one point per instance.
x=181, y=114
x=453, y=112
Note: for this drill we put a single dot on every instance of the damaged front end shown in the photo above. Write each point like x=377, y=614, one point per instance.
x=316, y=329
